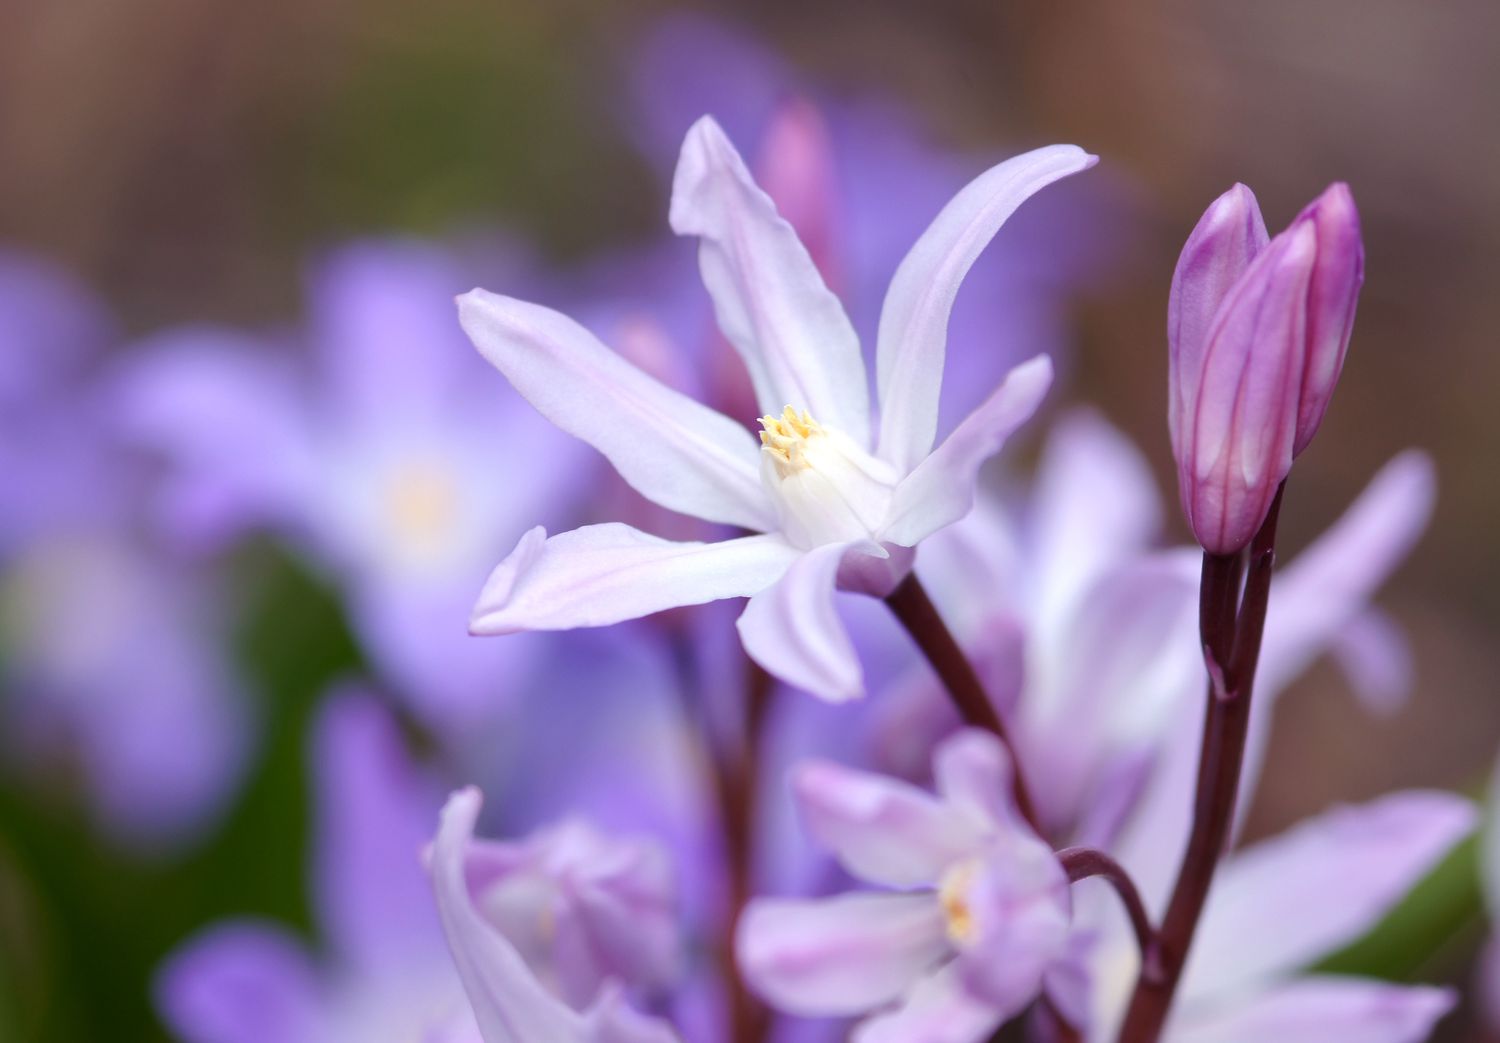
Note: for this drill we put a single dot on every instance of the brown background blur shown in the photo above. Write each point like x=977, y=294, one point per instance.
x=183, y=154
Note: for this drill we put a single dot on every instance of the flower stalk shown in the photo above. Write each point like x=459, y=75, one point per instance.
x=1231, y=627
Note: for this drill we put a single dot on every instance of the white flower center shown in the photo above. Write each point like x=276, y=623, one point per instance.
x=826, y=488
x=422, y=503
x=953, y=895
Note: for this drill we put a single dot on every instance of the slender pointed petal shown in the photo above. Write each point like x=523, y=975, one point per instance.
x=1282, y=904
x=941, y=489
x=792, y=629
x=669, y=447
x=914, y=319
x=1220, y=249
x=880, y=829
x=1331, y=299
x=939, y=1010
x=510, y=1005
x=842, y=955
x=603, y=574
x=1323, y=1009
x=770, y=300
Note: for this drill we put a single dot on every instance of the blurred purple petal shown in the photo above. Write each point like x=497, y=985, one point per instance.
x=241, y=983
x=1322, y=1010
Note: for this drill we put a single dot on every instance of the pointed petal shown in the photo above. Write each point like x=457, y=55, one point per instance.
x=914, y=319
x=880, y=829
x=1285, y=902
x=939, y=1010
x=973, y=771
x=510, y=1005
x=1226, y=239
x=792, y=629
x=603, y=574
x=670, y=448
x=841, y=955
x=940, y=490
x=240, y=982
x=1323, y=1009
x=770, y=300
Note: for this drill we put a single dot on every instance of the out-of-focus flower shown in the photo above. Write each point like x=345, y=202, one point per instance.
x=1257, y=332
x=510, y=1002
x=402, y=466
x=835, y=501
x=1488, y=978
x=979, y=912
x=384, y=973
x=1277, y=908
x=1087, y=637
x=113, y=651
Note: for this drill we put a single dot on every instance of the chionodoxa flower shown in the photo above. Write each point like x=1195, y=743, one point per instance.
x=832, y=497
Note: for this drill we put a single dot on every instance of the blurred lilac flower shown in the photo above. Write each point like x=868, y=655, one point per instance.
x=1277, y=908
x=476, y=885
x=1088, y=637
x=835, y=498
x=400, y=466
x=114, y=653
x=1489, y=863
x=978, y=912
x=1258, y=330
x=384, y=974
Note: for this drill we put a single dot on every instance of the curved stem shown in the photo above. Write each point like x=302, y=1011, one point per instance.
x=1081, y=863
x=916, y=612
x=1231, y=650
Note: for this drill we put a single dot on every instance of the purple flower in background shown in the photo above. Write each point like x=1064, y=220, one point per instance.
x=1258, y=332
x=400, y=465
x=114, y=652
x=835, y=498
x=978, y=912
x=1489, y=856
x=383, y=973
x=510, y=1002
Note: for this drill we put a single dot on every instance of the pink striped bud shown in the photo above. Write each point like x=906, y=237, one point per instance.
x=1258, y=331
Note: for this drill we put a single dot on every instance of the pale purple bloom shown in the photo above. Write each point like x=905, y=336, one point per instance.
x=1277, y=908
x=115, y=669
x=1489, y=855
x=1258, y=332
x=510, y=1002
x=382, y=972
x=834, y=495
x=399, y=464
x=978, y=911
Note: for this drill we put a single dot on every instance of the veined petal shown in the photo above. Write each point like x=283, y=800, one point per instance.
x=510, y=1005
x=771, y=302
x=669, y=447
x=1283, y=903
x=603, y=574
x=841, y=955
x=939, y=1010
x=914, y=319
x=1322, y=1009
x=941, y=488
x=792, y=629
x=881, y=829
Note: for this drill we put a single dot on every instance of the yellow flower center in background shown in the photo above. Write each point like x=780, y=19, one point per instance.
x=954, y=897
x=422, y=499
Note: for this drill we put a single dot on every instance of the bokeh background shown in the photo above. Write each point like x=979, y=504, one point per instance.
x=184, y=159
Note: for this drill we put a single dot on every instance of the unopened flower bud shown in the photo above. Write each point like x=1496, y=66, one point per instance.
x=1258, y=332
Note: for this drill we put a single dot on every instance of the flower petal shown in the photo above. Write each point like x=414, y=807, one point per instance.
x=771, y=302
x=940, y=490
x=510, y=1005
x=603, y=574
x=1284, y=903
x=973, y=772
x=939, y=1010
x=672, y=449
x=240, y=983
x=841, y=955
x=914, y=319
x=880, y=829
x=792, y=629
x=1323, y=1009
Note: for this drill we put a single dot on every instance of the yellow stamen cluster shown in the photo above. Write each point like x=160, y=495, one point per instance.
x=953, y=895
x=785, y=437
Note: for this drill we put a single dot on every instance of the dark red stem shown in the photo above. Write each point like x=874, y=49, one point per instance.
x=1081, y=863
x=1231, y=650
x=916, y=612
